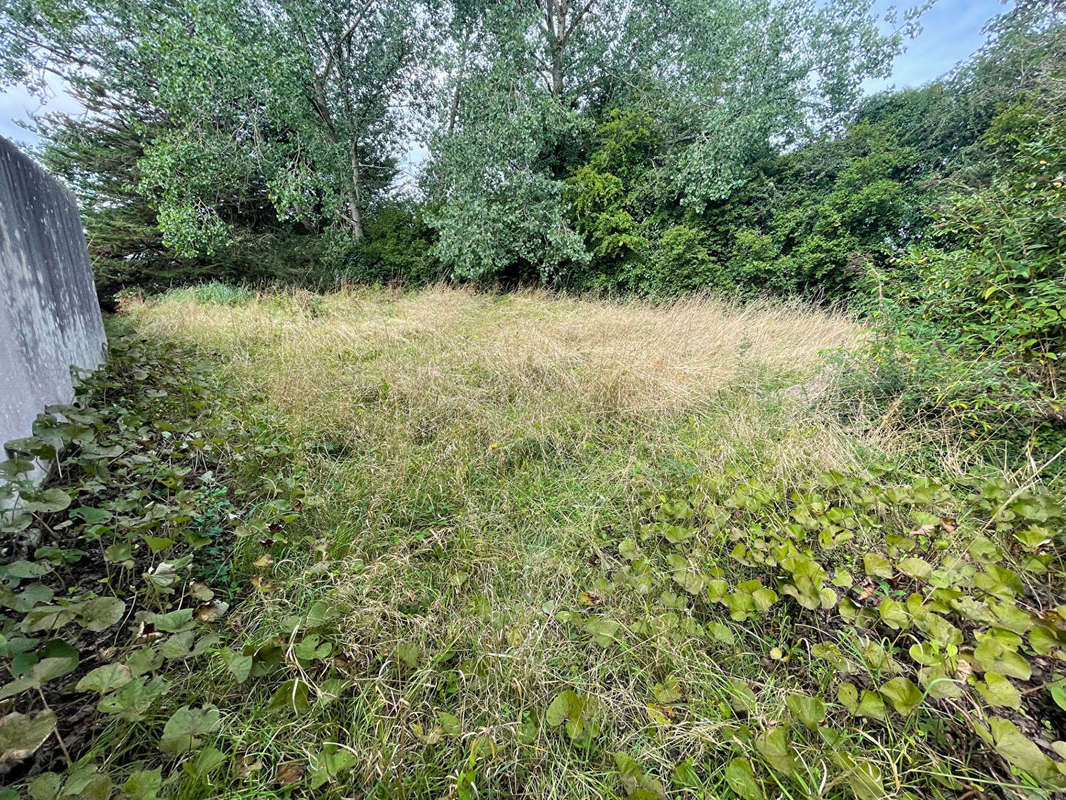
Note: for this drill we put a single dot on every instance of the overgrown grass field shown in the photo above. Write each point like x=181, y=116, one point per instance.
x=533, y=546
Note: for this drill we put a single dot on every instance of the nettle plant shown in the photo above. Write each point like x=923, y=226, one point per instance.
x=893, y=610
x=115, y=575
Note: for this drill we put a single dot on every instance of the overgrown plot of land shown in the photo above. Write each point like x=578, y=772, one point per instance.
x=477, y=545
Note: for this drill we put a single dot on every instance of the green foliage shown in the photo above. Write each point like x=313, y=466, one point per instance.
x=544, y=107
x=396, y=249
x=108, y=601
x=971, y=321
x=943, y=611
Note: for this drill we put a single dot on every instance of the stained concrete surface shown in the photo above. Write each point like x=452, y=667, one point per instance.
x=49, y=315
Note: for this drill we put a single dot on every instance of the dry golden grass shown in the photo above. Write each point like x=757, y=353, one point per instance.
x=448, y=351
x=470, y=463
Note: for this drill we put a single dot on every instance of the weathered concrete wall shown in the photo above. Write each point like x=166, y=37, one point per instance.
x=49, y=316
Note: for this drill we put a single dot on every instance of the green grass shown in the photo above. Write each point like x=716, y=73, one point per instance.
x=451, y=509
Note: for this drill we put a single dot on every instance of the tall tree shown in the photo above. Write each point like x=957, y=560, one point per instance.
x=301, y=102
x=732, y=80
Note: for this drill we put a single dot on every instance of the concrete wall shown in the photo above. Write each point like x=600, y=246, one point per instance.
x=49, y=316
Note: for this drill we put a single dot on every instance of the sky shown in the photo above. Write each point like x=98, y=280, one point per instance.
x=951, y=31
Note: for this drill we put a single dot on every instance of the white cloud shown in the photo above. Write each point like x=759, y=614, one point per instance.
x=18, y=105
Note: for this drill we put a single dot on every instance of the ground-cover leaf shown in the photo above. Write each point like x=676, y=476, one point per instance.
x=47, y=501
x=877, y=565
x=740, y=776
x=999, y=692
x=1019, y=751
x=184, y=730
x=603, y=631
x=894, y=614
x=22, y=734
x=871, y=705
x=637, y=784
x=133, y=701
x=902, y=694
x=721, y=632
x=992, y=655
x=105, y=679
x=863, y=777
x=740, y=695
x=238, y=664
x=330, y=763
x=773, y=745
x=572, y=710
x=290, y=697
x=669, y=691
x=144, y=784
x=684, y=774
x=408, y=654
x=808, y=710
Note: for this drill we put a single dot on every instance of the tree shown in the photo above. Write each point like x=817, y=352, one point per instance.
x=300, y=102
x=728, y=81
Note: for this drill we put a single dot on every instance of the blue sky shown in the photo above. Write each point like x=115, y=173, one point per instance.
x=951, y=31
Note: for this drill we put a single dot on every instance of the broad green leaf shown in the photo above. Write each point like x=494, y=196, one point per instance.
x=1019, y=751
x=716, y=590
x=628, y=549
x=740, y=696
x=449, y=723
x=174, y=621
x=764, y=598
x=407, y=653
x=46, y=786
x=992, y=655
x=999, y=692
x=629, y=770
x=863, y=777
x=684, y=774
x=902, y=694
x=322, y=613
x=144, y=661
x=740, y=776
x=894, y=614
x=808, y=710
x=877, y=565
x=133, y=701
x=848, y=696
x=48, y=501
x=206, y=761
x=871, y=705
x=290, y=697
x=25, y=569
x=669, y=691
x=916, y=568
x=566, y=705
x=21, y=734
x=330, y=763
x=186, y=726
x=721, y=632
x=177, y=646
x=144, y=784
x=101, y=613
x=239, y=665
x=603, y=631
x=774, y=747
x=119, y=552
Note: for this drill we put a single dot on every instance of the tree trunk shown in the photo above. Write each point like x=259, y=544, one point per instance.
x=453, y=112
x=355, y=211
x=557, y=68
